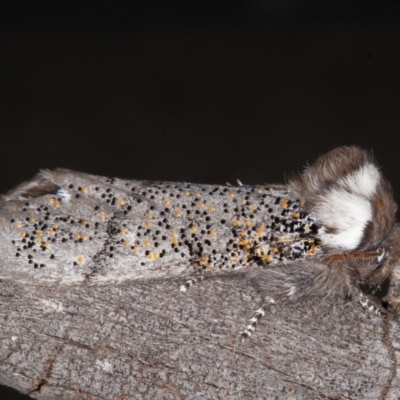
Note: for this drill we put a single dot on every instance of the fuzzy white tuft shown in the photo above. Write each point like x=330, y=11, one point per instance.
x=347, y=208
x=64, y=194
x=363, y=182
x=347, y=214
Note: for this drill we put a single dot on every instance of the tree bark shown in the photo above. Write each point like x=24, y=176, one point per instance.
x=150, y=341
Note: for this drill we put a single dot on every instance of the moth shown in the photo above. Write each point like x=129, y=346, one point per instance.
x=330, y=231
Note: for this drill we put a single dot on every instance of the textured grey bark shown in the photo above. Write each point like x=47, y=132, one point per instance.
x=136, y=340
x=151, y=341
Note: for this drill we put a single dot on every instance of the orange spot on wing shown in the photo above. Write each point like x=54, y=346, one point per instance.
x=284, y=203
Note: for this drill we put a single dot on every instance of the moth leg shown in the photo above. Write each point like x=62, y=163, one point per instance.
x=268, y=301
x=370, y=306
x=190, y=282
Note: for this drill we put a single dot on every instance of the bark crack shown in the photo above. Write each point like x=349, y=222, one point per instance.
x=48, y=369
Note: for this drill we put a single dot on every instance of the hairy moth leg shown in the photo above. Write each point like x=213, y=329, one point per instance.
x=296, y=280
x=190, y=282
x=370, y=306
x=268, y=301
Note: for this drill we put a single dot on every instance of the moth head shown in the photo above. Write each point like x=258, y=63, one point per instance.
x=353, y=203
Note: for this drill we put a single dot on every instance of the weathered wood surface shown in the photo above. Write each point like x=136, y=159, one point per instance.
x=137, y=341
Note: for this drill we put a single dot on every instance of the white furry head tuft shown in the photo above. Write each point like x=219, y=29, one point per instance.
x=347, y=194
x=347, y=208
x=363, y=181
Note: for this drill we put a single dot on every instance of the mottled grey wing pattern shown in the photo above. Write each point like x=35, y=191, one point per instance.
x=67, y=226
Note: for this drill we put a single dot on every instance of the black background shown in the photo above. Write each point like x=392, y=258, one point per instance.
x=201, y=91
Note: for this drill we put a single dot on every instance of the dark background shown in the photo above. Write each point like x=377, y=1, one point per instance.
x=202, y=91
